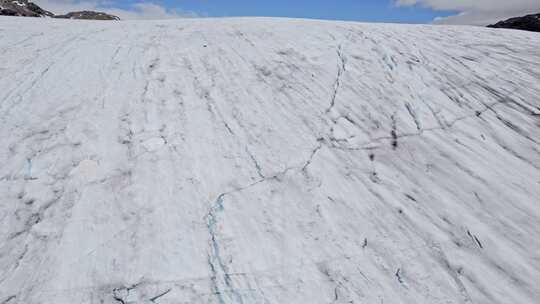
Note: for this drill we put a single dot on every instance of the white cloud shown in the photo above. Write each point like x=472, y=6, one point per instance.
x=477, y=12
x=140, y=10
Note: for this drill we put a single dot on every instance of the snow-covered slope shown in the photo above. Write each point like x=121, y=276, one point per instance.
x=258, y=160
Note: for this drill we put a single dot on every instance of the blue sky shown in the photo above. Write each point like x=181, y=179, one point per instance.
x=476, y=12
x=364, y=10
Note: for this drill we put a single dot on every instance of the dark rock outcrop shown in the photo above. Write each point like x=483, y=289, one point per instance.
x=22, y=8
x=526, y=23
x=88, y=15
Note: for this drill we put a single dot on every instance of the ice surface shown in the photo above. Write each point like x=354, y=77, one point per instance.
x=258, y=160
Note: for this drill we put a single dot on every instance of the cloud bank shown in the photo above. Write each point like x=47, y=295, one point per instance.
x=477, y=12
x=140, y=10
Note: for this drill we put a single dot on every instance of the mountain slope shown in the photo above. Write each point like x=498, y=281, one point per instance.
x=527, y=23
x=22, y=8
x=88, y=15
x=257, y=160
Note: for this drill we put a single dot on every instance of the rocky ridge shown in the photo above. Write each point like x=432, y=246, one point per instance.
x=526, y=23
x=24, y=8
x=88, y=15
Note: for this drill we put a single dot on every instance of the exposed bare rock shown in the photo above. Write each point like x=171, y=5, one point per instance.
x=526, y=23
x=22, y=8
x=88, y=15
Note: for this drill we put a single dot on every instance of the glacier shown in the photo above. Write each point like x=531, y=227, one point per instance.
x=268, y=160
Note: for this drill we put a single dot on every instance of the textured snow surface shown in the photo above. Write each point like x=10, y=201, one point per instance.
x=258, y=160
